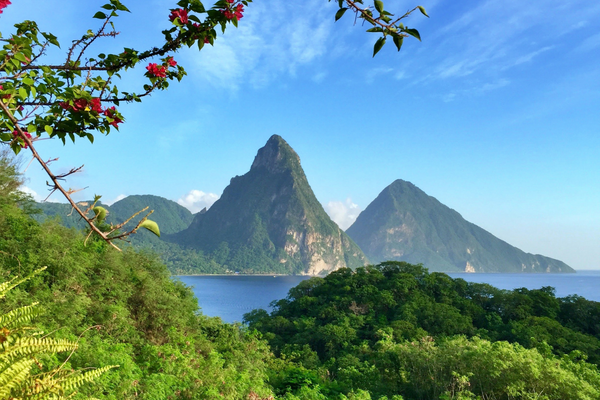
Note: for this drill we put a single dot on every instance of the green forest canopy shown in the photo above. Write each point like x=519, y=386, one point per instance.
x=390, y=331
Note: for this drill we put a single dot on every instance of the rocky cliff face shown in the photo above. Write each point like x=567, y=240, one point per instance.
x=269, y=220
x=405, y=224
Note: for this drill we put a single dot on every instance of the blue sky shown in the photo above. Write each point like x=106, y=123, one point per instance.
x=495, y=113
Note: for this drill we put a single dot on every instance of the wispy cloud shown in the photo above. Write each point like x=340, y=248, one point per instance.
x=196, y=200
x=111, y=202
x=343, y=213
x=375, y=72
x=475, y=90
x=273, y=38
x=591, y=43
x=498, y=35
x=36, y=196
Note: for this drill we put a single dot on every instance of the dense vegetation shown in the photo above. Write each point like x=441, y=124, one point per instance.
x=392, y=331
x=143, y=321
x=395, y=329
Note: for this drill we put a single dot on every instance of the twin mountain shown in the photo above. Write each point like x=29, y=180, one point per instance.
x=269, y=221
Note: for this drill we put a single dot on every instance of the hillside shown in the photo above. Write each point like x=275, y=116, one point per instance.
x=405, y=224
x=170, y=216
x=269, y=220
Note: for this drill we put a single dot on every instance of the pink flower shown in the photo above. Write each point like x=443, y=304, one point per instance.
x=182, y=14
x=16, y=134
x=80, y=104
x=96, y=105
x=228, y=14
x=83, y=105
x=4, y=4
x=156, y=70
x=239, y=10
x=110, y=113
x=235, y=12
x=171, y=62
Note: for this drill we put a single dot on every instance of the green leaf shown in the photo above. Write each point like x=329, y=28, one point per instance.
x=378, y=45
x=22, y=93
x=20, y=57
x=413, y=32
x=422, y=11
x=151, y=226
x=379, y=5
x=398, y=40
x=99, y=15
x=100, y=213
x=31, y=128
x=49, y=129
x=341, y=3
x=340, y=13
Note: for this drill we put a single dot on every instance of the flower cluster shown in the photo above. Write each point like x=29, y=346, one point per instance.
x=182, y=14
x=95, y=105
x=4, y=4
x=159, y=71
x=83, y=105
x=234, y=12
x=111, y=113
x=16, y=135
x=171, y=62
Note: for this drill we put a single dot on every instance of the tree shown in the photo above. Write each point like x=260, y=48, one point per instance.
x=79, y=98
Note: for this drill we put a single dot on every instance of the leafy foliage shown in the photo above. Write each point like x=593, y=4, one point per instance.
x=149, y=323
x=396, y=329
x=20, y=346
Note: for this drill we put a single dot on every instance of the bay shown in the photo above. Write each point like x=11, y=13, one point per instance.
x=230, y=297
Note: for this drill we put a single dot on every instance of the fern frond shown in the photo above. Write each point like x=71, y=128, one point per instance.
x=73, y=382
x=26, y=346
x=19, y=316
x=20, y=344
x=6, y=286
x=14, y=376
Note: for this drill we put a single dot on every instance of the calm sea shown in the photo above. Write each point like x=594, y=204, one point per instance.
x=230, y=297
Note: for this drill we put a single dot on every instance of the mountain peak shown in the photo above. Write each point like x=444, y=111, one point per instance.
x=269, y=220
x=405, y=224
x=276, y=156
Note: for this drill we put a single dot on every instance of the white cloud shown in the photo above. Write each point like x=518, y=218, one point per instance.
x=32, y=193
x=36, y=196
x=119, y=197
x=475, y=90
x=273, y=39
x=196, y=200
x=495, y=36
x=343, y=213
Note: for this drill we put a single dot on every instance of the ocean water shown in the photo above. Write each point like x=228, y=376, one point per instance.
x=231, y=296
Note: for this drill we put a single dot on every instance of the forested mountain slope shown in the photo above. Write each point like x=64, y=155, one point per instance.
x=405, y=224
x=269, y=220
